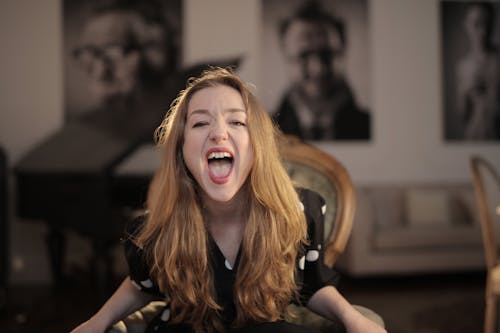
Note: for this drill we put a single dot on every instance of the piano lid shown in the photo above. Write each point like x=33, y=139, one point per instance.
x=76, y=148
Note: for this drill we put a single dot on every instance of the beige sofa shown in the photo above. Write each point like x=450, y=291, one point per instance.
x=414, y=228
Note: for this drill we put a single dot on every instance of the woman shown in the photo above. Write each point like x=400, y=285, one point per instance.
x=226, y=236
x=477, y=76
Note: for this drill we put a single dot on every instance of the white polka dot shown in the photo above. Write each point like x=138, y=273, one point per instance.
x=165, y=316
x=319, y=246
x=136, y=285
x=301, y=205
x=312, y=255
x=323, y=209
x=302, y=262
x=147, y=283
x=228, y=265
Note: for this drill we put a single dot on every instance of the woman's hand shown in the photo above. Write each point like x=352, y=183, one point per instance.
x=90, y=326
x=357, y=323
x=126, y=299
x=329, y=303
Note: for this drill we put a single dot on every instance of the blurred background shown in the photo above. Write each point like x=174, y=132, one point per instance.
x=73, y=142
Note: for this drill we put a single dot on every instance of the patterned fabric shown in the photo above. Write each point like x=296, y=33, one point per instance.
x=311, y=272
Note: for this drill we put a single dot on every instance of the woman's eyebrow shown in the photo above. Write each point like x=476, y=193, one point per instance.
x=207, y=112
x=198, y=111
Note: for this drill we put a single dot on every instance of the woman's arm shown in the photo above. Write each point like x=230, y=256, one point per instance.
x=126, y=299
x=329, y=303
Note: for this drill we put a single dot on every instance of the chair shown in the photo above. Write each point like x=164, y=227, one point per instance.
x=487, y=190
x=309, y=167
x=4, y=239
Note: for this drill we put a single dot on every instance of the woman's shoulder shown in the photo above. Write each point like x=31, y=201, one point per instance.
x=313, y=205
x=135, y=224
x=310, y=199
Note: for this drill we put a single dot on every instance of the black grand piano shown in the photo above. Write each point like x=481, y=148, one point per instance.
x=69, y=181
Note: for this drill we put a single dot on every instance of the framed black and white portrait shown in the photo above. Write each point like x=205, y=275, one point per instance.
x=315, y=68
x=470, y=36
x=119, y=56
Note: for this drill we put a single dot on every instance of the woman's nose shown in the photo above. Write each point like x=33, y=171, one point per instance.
x=218, y=132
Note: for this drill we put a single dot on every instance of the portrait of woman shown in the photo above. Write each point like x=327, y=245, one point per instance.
x=471, y=70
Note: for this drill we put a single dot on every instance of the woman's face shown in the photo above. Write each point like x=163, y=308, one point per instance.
x=476, y=24
x=217, y=149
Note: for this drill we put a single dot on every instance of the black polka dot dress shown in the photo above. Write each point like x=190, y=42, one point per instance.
x=312, y=274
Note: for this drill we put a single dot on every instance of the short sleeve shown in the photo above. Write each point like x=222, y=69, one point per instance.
x=139, y=270
x=312, y=272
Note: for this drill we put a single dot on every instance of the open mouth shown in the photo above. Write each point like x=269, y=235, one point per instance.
x=220, y=164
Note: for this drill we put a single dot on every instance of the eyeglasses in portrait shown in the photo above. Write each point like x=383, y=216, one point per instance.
x=121, y=57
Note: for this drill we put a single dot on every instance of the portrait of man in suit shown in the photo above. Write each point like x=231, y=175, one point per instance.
x=318, y=101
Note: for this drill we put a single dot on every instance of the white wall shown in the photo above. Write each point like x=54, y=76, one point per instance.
x=31, y=73
x=223, y=28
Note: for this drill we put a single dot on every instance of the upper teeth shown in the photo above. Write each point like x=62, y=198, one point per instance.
x=219, y=154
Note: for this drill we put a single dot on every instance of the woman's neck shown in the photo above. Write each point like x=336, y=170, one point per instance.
x=226, y=224
x=223, y=213
x=478, y=48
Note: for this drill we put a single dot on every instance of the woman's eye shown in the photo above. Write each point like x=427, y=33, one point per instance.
x=199, y=124
x=237, y=123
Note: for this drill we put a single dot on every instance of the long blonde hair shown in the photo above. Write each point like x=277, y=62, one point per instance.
x=175, y=238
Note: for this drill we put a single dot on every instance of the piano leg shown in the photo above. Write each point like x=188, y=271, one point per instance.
x=101, y=263
x=102, y=267
x=56, y=245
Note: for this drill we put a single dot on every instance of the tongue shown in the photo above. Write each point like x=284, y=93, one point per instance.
x=220, y=168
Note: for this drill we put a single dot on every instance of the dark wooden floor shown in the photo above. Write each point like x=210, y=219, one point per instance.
x=408, y=304
x=45, y=308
